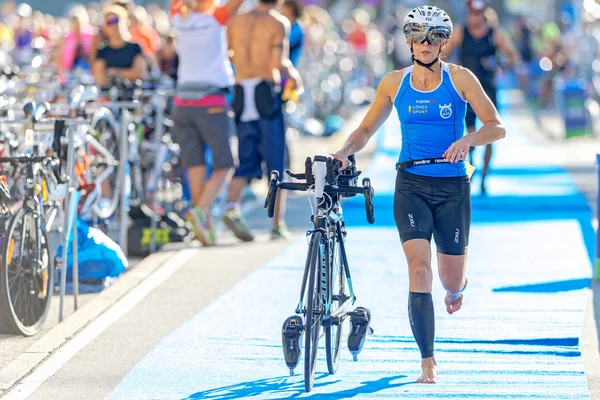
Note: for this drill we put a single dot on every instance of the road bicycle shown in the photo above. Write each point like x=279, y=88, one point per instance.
x=27, y=263
x=326, y=294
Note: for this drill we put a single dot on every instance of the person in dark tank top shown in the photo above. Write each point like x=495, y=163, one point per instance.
x=478, y=43
x=119, y=57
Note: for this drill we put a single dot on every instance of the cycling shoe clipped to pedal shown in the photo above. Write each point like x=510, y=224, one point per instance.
x=360, y=327
x=291, y=336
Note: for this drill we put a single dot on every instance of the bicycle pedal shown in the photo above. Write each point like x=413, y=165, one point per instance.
x=291, y=334
x=360, y=321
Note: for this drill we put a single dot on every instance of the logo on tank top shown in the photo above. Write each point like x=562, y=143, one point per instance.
x=446, y=110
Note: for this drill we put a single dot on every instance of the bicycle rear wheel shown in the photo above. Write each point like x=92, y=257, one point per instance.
x=313, y=314
x=26, y=276
x=108, y=136
x=336, y=292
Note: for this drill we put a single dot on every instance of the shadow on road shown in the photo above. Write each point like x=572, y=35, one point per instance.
x=294, y=387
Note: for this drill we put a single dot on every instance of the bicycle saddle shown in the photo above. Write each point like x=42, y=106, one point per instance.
x=36, y=111
x=84, y=94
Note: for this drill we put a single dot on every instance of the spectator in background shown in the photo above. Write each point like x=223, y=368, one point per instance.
x=552, y=48
x=402, y=55
x=292, y=10
x=75, y=48
x=142, y=33
x=161, y=23
x=8, y=8
x=581, y=48
x=479, y=41
x=120, y=57
x=522, y=38
x=167, y=58
x=39, y=27
x=100, y=40
x=23, y=34
x=357, y=29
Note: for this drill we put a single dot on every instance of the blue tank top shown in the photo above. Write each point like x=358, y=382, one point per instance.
x=430, y=122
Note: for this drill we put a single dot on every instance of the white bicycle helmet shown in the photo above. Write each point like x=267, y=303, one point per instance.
x=427, y=18
x=427, y=23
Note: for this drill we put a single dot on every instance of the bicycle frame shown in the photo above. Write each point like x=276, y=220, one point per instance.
x=329, y=221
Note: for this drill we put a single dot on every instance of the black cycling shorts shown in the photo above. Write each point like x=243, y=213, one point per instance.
x=426, y=206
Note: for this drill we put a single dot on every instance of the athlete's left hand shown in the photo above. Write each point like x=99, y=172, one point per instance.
x=458, y=151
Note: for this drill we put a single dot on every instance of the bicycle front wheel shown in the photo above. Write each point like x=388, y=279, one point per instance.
x=26, y=276
x=313, y=314
x=336, y=292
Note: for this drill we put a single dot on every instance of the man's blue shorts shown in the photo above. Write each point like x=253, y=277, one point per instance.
x=261, y=141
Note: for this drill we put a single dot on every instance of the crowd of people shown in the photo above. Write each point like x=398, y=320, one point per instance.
x=121, y=38
x=118, y=38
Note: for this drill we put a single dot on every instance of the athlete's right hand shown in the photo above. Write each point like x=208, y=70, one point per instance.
x=340, y=156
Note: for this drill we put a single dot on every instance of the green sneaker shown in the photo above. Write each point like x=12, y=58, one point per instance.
x=198, y=219
x=234, y=221
x=280, y=233
x=212, y=237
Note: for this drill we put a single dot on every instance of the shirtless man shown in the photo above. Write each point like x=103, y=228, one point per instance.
x=259, y=50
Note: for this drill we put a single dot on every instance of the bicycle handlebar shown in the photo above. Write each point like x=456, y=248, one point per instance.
x=50, y=161
x=331, y=185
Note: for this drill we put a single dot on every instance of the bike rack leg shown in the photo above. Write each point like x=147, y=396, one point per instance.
x=75, y=198
x=153, y=225
x=65, y=241
x=124, y=159
x=157, y=137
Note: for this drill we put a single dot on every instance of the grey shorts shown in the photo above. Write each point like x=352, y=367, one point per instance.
x=197, y=128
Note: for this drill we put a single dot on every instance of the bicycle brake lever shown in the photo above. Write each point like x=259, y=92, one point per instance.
x=295, y=176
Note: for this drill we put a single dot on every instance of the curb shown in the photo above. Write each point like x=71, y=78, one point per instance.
x=48, y=344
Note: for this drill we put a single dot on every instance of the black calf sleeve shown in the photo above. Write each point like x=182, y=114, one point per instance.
x=422, y=321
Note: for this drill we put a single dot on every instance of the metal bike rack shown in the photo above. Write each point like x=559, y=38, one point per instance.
x=70, y=208
x=124, y=107
x=70, y=213
x=163, y=94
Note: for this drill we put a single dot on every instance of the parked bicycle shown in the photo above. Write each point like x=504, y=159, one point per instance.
x=327, y=293
x=27, y=263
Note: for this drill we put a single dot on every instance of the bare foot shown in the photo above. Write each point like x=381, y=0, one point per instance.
x=429, y=367
x=453, y=302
